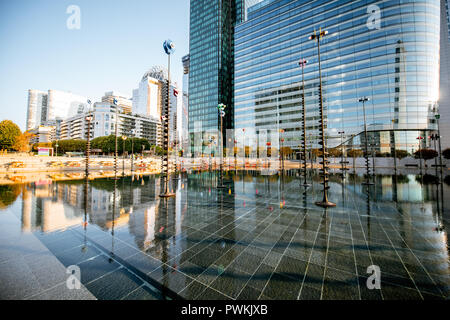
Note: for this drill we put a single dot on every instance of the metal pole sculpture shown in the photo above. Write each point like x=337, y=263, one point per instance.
x=343, y=163
x=366, y=153
x=420, y=157
x=303, y=63
x=324, y=203
x=132, y=150
x=395, y=149
x=438, y=116
x=88, y=138
x=116, y=142
x=124, y=138
x=169, y=48
x=221, y=108
x=282, y=152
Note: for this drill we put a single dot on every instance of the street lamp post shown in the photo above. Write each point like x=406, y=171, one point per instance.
x=169, y=48
x=324, y=203
x=366, y=153
x=302, y=63
x=221, y=108
x=56, y=146
x=438, y=116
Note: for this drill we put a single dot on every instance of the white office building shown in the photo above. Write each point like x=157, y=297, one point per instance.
x=149, y=99
x=104, y=124
x=47, y=107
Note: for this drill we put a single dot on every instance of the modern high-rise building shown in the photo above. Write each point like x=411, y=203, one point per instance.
x=444, y=91
x=122, y=100
x=183, y=112
x=211, y=62
x=149, y=99
x=387, y=51
x=45, y=107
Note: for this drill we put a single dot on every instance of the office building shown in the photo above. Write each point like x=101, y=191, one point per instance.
x=45, y=107
x=104, y=122
x=211, y=53
x=444, y=91
x=183, y=113
x=393, y=59
x=149, y=99
x=123, y=101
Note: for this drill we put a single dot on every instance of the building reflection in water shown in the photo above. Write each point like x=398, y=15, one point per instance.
x=165, y=229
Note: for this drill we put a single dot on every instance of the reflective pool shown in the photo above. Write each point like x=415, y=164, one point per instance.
x=261, y=237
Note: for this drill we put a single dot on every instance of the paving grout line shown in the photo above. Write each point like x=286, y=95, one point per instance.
x=279, y=260
x=423, y=267
x=403, y=264
x=309, y=259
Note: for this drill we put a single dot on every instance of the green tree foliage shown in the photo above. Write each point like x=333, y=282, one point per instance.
x=9, y=194
x=401, y=154
x=73, y=145
x=108, y=144
x=335, y=152
x=426, y=154
x=286, y=151
x=355, y=153
x=446, y=153
x=9, y=132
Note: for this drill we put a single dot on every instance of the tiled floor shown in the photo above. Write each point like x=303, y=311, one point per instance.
x=260, y=238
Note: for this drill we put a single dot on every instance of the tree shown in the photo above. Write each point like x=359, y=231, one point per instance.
x=425, y=154
x=355, y=153
x=286, y=151
x=74, y=145
x=9, y=131
x=22, y=143
x=335, y=152
x=446, y=153
x=401, y=154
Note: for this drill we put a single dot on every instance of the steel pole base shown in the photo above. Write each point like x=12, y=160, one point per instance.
x=306, y=185
x=167, y=195
x=325, y=204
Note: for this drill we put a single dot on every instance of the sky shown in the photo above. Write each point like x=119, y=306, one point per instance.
x=118, y=41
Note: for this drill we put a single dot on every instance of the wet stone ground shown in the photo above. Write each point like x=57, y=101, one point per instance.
x=260, y=237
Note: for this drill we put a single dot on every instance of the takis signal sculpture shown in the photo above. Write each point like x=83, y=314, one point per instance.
x=221, y=109
x=324, y=203
x=303, y=63
x=169, y=48
x=366, y=153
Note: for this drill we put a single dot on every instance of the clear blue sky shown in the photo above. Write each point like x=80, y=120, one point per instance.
x=118, y=41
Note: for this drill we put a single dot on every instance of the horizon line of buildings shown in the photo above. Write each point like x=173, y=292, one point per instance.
x=58, y=115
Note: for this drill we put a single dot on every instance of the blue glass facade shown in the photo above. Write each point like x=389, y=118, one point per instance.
x=211, y=61
x=395, y=64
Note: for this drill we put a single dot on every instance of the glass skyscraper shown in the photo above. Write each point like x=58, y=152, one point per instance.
x=387, y=51
x=211, y=62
